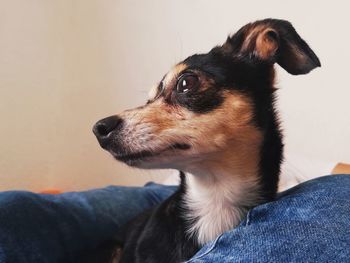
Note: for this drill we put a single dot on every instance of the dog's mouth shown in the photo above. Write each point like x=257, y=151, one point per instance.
x=133, y=158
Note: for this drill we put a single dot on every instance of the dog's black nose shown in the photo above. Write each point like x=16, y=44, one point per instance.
x=103, y=128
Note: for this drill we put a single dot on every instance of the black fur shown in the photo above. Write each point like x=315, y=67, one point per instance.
x=161, y=228
x=159, y=235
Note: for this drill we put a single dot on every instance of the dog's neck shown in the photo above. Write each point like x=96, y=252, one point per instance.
x=219, y=191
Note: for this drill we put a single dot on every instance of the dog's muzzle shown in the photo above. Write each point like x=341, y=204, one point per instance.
x=105, y=128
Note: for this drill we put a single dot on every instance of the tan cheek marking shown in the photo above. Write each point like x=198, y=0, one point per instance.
x=230, y=121
x=227, y=126
x=236, y=111
x=160, y=115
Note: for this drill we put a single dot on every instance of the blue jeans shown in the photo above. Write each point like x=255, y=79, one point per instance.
x=308, y=223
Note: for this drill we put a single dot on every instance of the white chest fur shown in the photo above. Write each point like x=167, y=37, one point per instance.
x=217, y=204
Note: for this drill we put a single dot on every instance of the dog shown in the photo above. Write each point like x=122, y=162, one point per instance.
x=212, y=117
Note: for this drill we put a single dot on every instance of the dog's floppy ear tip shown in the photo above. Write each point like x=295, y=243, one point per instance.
x=296, y=57
x=273, y=41
x=316, y=63
x=310, y=63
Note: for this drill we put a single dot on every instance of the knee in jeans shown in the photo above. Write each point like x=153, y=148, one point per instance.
x=16, y=201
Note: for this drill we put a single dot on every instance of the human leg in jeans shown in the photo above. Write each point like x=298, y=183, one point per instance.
x=308, y=223
x=38, y=228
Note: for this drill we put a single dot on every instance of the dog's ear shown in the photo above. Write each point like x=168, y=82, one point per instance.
x=274, y=41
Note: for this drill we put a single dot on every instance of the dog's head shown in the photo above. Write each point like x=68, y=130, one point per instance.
x=209, y=104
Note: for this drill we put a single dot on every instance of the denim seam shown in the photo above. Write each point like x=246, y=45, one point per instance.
x=217, y=239
x=206, y=252
x=248, y=218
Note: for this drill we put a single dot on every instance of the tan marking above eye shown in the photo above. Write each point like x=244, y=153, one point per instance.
x=171, y=76
x=153, y=92
x=174, y=73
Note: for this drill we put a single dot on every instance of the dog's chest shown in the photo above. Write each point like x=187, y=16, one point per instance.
x=215, y=208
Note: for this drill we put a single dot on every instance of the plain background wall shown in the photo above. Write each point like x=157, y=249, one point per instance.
x=66, y=64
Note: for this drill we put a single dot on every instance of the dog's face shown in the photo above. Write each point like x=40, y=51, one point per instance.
x=209, y=104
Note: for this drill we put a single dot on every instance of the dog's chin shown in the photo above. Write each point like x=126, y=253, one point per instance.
x=155, y=159
x=136, y=159
x=145, y=160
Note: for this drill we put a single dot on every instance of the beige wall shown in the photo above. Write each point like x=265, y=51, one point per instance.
x=65, y=64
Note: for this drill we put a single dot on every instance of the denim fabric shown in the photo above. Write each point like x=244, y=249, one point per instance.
x=55, y=228
x=308, y=223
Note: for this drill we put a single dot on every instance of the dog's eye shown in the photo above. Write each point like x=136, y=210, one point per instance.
x=186, y=82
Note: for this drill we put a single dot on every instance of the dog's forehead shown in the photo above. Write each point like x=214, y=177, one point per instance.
x=205, y=63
